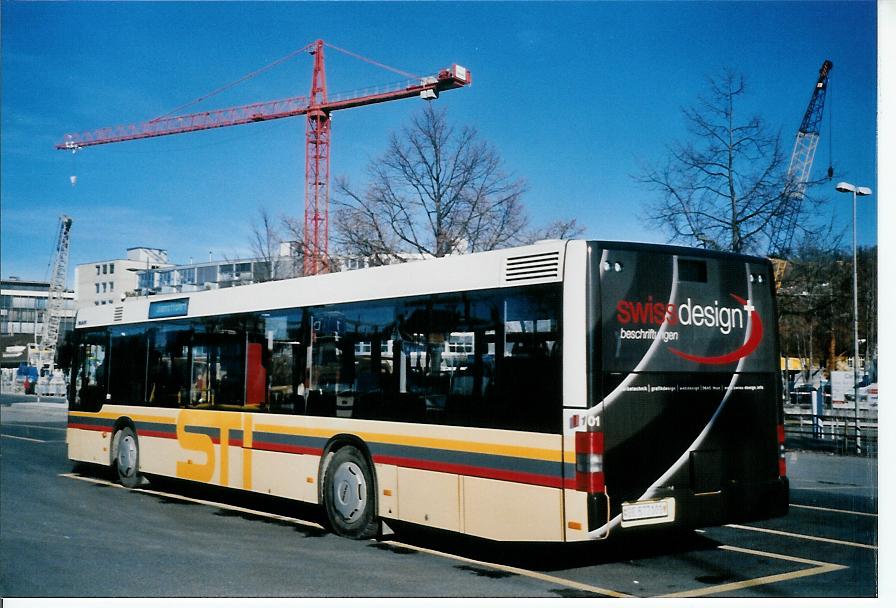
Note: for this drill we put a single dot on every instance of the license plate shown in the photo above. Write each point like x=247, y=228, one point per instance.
x=648, y=512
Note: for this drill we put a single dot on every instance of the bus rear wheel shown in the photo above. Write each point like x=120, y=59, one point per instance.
x=349, y=495
x=127, y=457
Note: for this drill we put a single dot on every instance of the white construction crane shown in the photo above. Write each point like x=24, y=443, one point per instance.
x=46, y=348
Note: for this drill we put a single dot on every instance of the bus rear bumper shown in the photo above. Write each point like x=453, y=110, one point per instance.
x=736, y=503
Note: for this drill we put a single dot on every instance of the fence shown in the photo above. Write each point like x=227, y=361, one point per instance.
x=833, y=431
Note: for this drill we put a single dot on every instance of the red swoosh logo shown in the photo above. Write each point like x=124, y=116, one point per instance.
x=748, y=347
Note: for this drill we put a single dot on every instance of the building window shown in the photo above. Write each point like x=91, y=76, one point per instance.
x=111, y=285
x=206, y=274
x=111, y=268
x=105, y=268
x=97, y=287
x=97, y=269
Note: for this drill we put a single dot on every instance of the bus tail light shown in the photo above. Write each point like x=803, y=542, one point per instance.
x=782, y=463
x=590, y=461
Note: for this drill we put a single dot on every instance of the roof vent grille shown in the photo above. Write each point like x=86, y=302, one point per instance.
x=535, y=266
x=118, y=313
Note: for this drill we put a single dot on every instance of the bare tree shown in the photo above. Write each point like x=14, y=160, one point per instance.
x=815, y=303
x=727, y=188
x=265, y=244
x=557, y=229
x=437, y=190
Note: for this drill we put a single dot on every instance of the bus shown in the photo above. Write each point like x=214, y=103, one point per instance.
x=561, y=391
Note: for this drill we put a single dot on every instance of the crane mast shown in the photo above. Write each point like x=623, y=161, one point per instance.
x=801, y=164
x=317, y=107
x=317, y=171
x=808, y=133
x=53, y=315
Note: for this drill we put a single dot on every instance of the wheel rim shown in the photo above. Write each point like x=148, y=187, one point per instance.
x=349, y=491
x=127, y=456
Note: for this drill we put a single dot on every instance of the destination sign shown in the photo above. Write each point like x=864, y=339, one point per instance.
x=169, y=308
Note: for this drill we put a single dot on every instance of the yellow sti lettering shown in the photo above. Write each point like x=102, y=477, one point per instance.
x=196, y=442
x=247, y=451
x=226, y=422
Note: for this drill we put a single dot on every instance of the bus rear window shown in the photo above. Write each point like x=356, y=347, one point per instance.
x=692, y=270
x=661, y=312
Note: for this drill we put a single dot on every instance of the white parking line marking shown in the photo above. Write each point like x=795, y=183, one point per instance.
x=520, y=571
x=816, y=569
x=200, y=501
x=24, y=438
x=834, y=510
x=514, y=570
x=802, y=536
x=33, y=426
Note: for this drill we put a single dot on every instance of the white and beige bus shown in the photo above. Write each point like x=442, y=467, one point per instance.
x=562, y=391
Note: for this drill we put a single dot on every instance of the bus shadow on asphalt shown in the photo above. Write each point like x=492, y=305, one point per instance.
x=551, y=556
x=264, y=508
x=632, y=545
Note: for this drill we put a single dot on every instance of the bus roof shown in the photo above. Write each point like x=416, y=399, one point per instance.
x=679, y=250
x=542, y=262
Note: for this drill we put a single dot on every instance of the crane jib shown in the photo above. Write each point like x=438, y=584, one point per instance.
x=316, y=106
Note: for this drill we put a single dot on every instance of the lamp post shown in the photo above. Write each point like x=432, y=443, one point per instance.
x=856, y=192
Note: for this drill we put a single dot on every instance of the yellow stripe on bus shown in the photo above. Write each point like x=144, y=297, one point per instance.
x=112, y=415
x=550, y=454
x=428, y=442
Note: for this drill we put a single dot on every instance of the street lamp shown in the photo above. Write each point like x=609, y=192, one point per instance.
x=856, y=191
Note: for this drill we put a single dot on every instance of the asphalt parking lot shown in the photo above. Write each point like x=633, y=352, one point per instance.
x=96, y=539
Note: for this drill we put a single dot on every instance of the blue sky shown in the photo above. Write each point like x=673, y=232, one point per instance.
x=575, y=97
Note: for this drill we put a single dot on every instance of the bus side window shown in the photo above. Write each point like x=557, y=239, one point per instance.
x=256, y=375
x=127, y=365
x=201, y=393
x=230, y=375
x=531, y=374
x=169, y=365
x=90, y=382
x=285, y=362
x=327, y=377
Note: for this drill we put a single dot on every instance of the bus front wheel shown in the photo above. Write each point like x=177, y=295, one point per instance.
x=127, y=457
x=349, y=495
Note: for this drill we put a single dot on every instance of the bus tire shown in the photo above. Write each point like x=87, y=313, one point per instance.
x=349, y=495
x=126, y=455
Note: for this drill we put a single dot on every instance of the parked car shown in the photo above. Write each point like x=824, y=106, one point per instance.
x=867, y=394
x=801, y=394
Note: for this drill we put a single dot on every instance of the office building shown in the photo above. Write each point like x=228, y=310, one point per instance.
x=110, y=281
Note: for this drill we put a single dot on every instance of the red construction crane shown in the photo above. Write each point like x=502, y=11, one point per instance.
x=317, y=107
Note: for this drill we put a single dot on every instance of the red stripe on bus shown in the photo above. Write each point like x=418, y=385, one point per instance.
x=552, y=481
x=535, y=479
x=166, y=435
x=162, y=434
x=88, y=427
